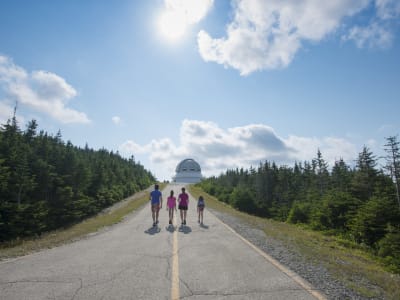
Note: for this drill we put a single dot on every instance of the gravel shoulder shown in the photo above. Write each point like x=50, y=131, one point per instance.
x=316, y=274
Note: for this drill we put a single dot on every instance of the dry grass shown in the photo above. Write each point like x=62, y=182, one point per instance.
x=55, y=238
x=347, y=262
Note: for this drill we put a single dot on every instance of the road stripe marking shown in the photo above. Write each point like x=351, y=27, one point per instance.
x=303, y=283
x=175, y=265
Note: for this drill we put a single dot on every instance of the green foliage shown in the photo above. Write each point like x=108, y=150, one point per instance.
x=336, y=211
x=242, y=198
x=46, y=184
x=299, y=213
x=389, y=248
x=370, y=223
x=358, y=204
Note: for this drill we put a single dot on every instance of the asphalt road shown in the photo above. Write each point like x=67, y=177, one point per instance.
x=134, y=260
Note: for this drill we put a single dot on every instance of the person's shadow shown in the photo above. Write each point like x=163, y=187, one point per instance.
x=153, y=230
x=170, y=228
x=185, y=229
x=202, y=225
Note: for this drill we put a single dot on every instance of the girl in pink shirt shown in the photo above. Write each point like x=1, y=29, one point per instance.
x=171, y=205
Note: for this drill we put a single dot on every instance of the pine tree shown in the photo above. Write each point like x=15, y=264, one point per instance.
x=393, y=162
x=341, y=176
x=321, y=169
x=363, y=182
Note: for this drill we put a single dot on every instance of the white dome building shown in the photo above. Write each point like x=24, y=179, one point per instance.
x=188, y=171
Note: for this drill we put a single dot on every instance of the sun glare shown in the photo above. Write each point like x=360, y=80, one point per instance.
x=172, y=25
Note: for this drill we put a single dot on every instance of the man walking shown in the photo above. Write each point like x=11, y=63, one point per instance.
x=156, y=203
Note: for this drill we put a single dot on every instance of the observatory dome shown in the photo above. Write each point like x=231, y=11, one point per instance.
x=188, y=171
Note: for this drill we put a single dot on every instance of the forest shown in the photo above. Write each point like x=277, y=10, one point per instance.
x=359, y=204
x=46, y=184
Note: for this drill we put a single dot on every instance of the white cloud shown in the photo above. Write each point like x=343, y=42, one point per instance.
x=266, y=34
x=42, y=91
x=387, y=9
x=6, y=112
x=178, y=15
x=332, y=148
x=218, y=149
x=374, y=35
x=378, y=32
x=116, y=120
x=132, y=147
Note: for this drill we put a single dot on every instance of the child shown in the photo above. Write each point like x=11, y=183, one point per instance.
x=171, y=205
x=200, y=209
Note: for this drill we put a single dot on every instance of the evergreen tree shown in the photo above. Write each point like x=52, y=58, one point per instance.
x=341, y=176
x=363, y=181
x=321, y=169
x=393, y=163
x=46, y=183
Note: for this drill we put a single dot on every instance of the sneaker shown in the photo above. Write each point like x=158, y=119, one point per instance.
x=157, y=222
x=184, y=222
x=170, y=222
x=198, y=221
x=154, y=224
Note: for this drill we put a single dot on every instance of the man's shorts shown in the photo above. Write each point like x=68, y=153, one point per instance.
x=155, y=207
x=183, y=207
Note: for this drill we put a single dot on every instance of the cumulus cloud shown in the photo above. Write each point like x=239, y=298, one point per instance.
x=41, y=91
x=332, y=148
x=179, y=14
x=218, y=149
x=267, y=34
x=6, y=112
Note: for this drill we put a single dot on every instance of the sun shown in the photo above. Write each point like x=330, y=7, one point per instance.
x=172, y=25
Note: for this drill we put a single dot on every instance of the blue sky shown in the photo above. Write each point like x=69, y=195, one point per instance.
x=228, y=83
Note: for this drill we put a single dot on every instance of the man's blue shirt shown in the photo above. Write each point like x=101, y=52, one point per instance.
x=155, y=197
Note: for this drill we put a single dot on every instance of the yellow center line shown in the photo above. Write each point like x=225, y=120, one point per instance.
x=175, y=265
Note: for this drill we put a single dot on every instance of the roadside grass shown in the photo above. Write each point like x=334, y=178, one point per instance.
x=107, y=217
x=347, y=262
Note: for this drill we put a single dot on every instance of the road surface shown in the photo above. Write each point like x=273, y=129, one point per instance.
x=134, y=260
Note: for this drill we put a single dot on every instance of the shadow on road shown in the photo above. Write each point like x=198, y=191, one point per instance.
x=153, y=230
x=185, y=229
x=170, y=228
x=204, y=226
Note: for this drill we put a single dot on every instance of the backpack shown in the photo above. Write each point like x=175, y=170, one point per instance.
x=201, y=202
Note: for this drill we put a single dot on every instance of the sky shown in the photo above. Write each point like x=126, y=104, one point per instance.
x=230, y=84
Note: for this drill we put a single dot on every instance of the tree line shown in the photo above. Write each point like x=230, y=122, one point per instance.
x=46, y=183
x=359, y=203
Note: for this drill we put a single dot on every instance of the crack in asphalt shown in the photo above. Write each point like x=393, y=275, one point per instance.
x=113, y=277
x=186, y=286
x=226, y=294
x=78, y=289
x=71, y=281
x=35, y=281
